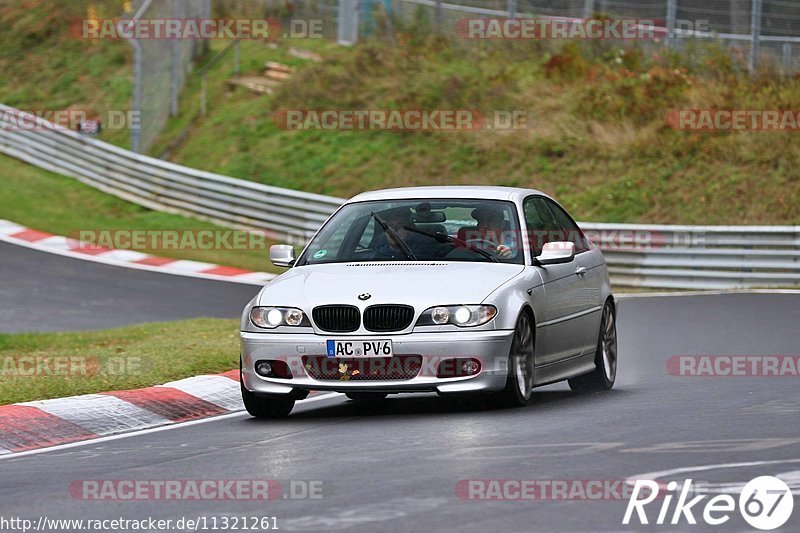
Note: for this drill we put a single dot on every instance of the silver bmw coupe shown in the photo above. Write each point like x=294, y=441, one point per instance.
x=453, y=290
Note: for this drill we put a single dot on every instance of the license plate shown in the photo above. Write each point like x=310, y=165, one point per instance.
x=359, y=348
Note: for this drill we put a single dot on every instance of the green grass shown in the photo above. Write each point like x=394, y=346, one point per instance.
x=64, y=206
x=44, y=68
x=115, y=359
x=597, y=139
x=228, y=105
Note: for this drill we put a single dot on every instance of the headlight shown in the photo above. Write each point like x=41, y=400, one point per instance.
x=272, y=317
x=460, y=315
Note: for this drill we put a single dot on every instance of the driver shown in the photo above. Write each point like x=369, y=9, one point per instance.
x=491, y=228
x=398, y=219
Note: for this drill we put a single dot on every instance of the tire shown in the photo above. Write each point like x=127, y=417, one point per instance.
x=519, y=383
x=366, y=396
x=265, y=407
x=605, y=360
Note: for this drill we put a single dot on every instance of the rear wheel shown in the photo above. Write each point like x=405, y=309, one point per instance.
x=605, y=359
x=366, y=396
x=519, y=383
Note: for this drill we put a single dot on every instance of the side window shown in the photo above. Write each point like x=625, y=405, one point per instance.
x=570, y=230
x=542, y=227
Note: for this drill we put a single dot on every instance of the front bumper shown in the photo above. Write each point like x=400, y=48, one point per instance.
x=490, y=347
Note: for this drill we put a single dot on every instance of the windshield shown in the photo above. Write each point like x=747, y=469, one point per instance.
x=419, y=230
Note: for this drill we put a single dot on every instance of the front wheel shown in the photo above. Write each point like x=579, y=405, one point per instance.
x=519, y=384
x=266, y=406
x=605, y=360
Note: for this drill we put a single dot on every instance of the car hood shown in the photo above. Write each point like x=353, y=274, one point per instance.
x=418, y=284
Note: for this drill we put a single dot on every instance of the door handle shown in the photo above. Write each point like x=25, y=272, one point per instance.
x=580, y=271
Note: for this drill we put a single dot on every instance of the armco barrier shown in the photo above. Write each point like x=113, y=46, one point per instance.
x=165, y=186
x=700, y=257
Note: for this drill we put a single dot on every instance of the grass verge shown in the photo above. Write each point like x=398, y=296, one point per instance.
x=598, y=135
x=36, y=366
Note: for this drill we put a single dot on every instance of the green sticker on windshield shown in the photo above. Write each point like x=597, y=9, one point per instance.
x=320, y=254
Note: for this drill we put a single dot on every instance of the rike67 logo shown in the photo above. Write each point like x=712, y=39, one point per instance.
x=766, y=503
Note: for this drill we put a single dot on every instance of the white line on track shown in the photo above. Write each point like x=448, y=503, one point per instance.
x=626, y=296
x=704, y=468
x=151, y=430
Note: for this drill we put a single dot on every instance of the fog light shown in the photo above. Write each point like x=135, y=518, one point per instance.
x=470, y=367
x=458, y=368
x=263, y=368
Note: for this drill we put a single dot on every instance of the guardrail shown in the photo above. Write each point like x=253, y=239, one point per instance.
x=701, y=257
x=161, y=185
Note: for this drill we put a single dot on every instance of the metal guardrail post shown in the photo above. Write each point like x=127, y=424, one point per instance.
x=204, y=95
x=177, y=5
x=348, y=20
x=588, y=9
x=787, y=58
x=205, y=44
x=439, y=16
x=136, y=104
x=672, y=17
x=512, y=8
x=755, y=34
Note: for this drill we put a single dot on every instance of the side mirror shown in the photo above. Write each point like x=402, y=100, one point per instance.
x=282, y=255
x=556, y=253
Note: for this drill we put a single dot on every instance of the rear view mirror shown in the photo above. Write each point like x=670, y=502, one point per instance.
x=282, y=255
x=554, y=253
x=429, y=217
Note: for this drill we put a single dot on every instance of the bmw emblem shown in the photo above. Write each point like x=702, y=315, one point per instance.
x=364, y=296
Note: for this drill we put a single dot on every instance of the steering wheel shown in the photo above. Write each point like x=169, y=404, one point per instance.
x=482, y=243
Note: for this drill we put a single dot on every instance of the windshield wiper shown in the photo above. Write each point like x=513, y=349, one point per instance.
x=393, y=233
x=443, y=237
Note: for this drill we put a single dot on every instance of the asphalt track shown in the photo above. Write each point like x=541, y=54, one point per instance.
x=395, y=466
x=46, y=292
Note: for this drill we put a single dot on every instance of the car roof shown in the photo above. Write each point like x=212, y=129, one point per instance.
x=449, y=191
